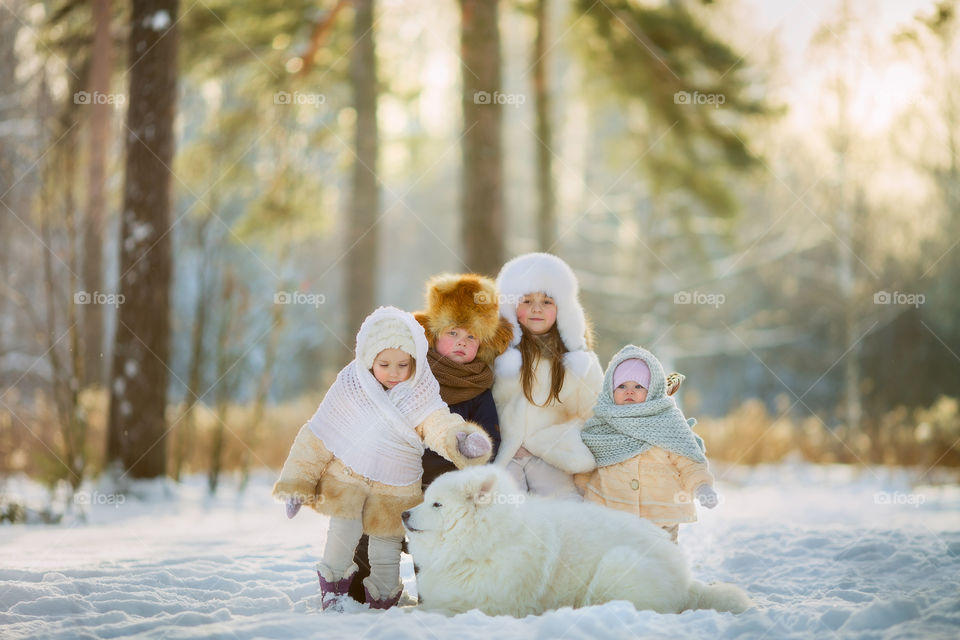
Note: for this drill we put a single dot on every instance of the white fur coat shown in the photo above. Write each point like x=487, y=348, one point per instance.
x=550, y=432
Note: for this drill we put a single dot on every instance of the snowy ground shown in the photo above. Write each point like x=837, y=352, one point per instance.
x=825, y=552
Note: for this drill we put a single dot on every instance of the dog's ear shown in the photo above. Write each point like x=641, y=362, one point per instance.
x=486, y=487
x=483, y=494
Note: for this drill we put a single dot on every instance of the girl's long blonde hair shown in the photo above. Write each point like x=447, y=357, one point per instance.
x=532, y=348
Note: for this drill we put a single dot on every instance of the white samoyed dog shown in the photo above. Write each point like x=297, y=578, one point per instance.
x=480, y=543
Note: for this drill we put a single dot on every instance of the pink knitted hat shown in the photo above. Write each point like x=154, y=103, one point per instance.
x=633, y=369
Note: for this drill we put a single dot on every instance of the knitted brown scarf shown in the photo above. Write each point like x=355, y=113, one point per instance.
x=459, y=382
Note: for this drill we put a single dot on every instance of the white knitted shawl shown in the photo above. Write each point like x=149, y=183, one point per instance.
x=370, y=429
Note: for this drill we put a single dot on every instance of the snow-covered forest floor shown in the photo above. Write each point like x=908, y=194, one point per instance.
x=824, y=551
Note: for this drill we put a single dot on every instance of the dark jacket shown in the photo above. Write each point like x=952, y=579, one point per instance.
x=480, y=409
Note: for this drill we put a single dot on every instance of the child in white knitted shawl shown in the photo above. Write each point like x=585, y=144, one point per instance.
x=650, y=462
x=358, y=459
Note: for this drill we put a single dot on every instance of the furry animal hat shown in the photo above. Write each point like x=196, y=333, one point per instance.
x=544, y=272
x=470, y=301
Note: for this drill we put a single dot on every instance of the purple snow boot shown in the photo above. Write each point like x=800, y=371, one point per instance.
x=331, y=588
x=375, y=601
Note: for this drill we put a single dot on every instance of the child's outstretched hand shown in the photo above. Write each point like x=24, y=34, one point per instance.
x=706, y=496
x=674, y=380
x=293, y=506
x=473, y=445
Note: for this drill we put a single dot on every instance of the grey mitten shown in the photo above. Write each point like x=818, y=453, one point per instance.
x=473, y=445
x=706, y=496
x=293, y=506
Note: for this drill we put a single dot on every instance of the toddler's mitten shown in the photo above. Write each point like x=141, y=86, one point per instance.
x=706, y=496
x=293, y=506
x=473, y=445
x=674, y=380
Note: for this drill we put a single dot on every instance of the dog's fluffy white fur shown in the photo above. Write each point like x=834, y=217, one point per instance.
x=480, y=543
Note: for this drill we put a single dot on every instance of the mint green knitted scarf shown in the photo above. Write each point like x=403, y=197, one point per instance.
x=619, y=432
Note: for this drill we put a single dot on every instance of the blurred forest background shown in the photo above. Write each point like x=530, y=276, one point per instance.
x=201, y=201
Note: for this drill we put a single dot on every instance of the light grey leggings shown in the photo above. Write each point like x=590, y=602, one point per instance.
x=384, y=554
x=537, y=477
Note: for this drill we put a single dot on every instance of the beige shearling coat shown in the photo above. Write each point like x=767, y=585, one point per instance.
x=657, y=485
x=322, y=481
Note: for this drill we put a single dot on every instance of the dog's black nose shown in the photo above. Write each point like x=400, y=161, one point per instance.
x=405, y=515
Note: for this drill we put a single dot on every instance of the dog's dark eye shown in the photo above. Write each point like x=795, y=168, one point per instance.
x=437, y=505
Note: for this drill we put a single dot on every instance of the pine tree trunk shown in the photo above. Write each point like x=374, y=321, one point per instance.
x=223, y=387
x=260, y=398
x=185, y=434
x=10, y=111
x=59, y=204
x=138, y=391
x=98, y=143
x=846, y=275
x=362, y=236
x=483, y=224
x=74, y=426
x=546, y=200
x=852, y=400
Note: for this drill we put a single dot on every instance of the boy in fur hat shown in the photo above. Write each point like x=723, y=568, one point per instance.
x=358, y=459
x=466, y=333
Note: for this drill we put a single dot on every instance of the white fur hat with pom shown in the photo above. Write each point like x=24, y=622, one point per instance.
x=533, y=272
x=390, y=328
